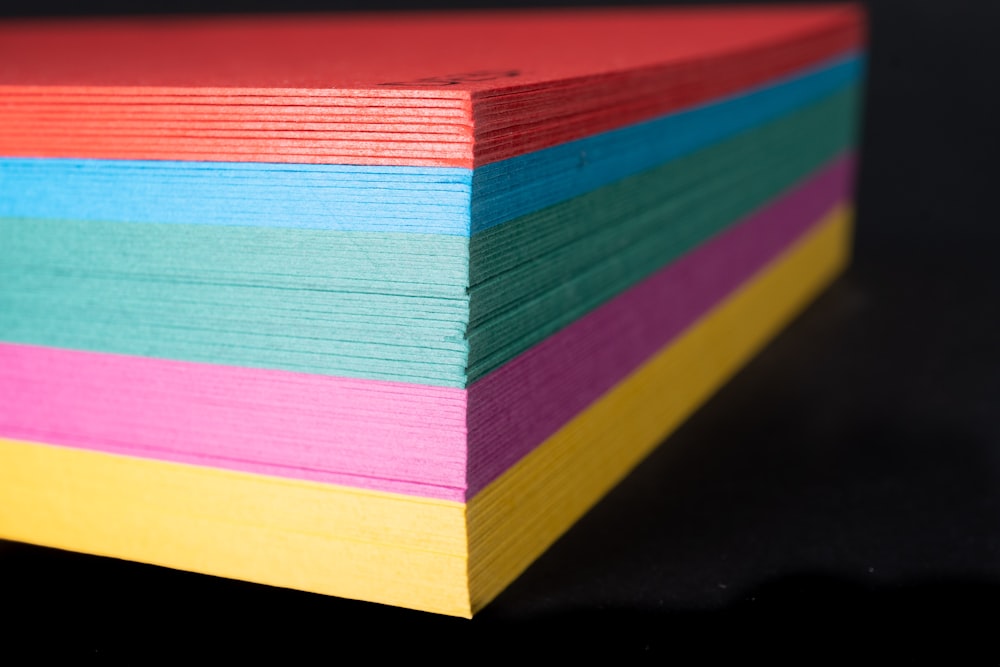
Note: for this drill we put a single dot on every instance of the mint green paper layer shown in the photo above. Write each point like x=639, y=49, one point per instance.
x=358, y=304
x=383, y=305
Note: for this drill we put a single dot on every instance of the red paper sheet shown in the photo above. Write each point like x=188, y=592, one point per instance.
x=496, y=84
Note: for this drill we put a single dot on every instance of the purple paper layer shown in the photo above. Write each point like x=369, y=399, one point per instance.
x=519, y=405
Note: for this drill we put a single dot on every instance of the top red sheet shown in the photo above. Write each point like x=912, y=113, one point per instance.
x=423, y=89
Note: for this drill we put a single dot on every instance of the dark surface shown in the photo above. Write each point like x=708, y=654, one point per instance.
x=845, y=486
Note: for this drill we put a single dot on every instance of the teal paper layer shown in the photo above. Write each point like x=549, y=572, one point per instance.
x=535, y=275
x=390, y=306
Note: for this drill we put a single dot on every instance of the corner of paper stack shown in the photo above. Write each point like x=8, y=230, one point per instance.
x=377, y=306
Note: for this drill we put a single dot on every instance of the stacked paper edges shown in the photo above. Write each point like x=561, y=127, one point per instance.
x=389, y=339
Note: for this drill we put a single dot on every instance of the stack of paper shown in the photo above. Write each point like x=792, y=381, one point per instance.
x=378, y=306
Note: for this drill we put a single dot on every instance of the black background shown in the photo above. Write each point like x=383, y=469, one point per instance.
x=843, y=489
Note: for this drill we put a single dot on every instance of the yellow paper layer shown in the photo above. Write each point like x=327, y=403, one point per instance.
x=517, y=517
x=388, y=548
x=360, y=544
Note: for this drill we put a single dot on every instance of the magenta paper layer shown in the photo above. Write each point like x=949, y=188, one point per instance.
x=361, y=433
x=378, y=435
x=521, y=404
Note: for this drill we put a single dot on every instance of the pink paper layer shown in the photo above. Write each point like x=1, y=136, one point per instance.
x=362, y=433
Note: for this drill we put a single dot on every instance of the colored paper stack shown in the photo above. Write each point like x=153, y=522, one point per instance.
x=378, y=306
